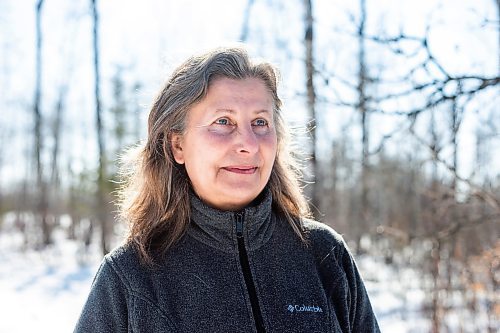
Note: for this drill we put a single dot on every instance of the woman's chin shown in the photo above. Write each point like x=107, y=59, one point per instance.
x=233, y=201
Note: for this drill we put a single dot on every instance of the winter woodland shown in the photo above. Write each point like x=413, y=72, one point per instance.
x=394, y=107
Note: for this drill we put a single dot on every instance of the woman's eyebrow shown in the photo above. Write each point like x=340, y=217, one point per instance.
x=233, y=111
x=225, y=110
x=263, y=111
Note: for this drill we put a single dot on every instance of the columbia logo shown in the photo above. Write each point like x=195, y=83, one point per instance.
x=304, y=308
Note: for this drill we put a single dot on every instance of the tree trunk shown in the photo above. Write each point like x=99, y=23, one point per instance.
x=455, y=127
x=54, y=177
x=101, y=169
x=362, y=107
x=137, y=113
x=41, y=188
x=246, y=21
x=436, y=299
x=311, y=102
x=55, y=172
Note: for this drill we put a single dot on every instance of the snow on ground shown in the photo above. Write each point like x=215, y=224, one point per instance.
x=45, y=291
x=395, y=296
x=41, y=291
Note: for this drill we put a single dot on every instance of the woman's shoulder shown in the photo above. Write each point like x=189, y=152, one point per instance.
x=124, y=254
x=125, y=262
x=321, y=232
x=323, y=238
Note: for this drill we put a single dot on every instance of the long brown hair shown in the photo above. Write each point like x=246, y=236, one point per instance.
x=154, y=199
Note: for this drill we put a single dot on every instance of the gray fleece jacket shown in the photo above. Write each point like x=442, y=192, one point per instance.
x=233, y=272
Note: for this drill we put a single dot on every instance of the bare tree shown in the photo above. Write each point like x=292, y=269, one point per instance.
x=119, y=111
x=311, y=100
x=41, y=197
x=456, y=215
x=101, y=196
x=363, y=222
x=137, y=112
x=56, y=130
x=246, y=20
x=55, y=175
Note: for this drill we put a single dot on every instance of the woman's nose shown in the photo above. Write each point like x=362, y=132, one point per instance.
x=246, y=140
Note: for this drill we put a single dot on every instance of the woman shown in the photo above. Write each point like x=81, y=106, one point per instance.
x=219, y=238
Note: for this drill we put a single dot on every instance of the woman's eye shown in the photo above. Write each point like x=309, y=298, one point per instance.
x=222, y=121
x=222, y=126
x=260, y=122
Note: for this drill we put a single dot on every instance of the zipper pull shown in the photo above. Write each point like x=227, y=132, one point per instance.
x=239, y=225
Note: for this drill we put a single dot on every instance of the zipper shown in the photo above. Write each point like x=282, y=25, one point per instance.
x=247, y=274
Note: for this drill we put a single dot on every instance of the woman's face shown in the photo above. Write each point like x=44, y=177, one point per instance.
x=230, y=143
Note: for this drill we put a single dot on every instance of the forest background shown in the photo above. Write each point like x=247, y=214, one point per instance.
x=394, y=104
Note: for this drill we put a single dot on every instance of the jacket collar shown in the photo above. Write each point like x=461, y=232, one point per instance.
x=217, y=228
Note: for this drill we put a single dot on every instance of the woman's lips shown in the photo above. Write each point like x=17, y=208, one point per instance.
x=246, y=170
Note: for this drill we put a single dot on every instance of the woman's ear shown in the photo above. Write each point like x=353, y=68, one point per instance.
x=176, y=145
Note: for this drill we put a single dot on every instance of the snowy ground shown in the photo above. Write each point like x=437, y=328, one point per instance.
x=395, y=296
x=45, y=291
